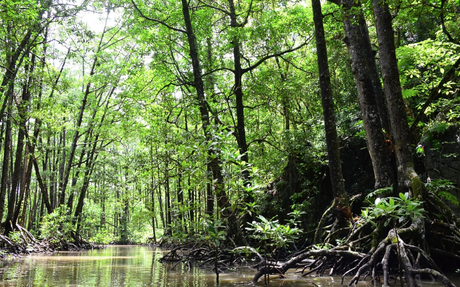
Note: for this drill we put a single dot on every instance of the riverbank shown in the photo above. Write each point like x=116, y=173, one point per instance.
x=22, y=243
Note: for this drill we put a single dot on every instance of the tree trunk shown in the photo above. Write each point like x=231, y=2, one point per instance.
x=14, y=63
x=222, y=200
x=20, y=171
x=33, y=209
x=284, y=97
x=238, y=91
x=180, y=199
x=60, y=159
x=168, y=204
x=91, y=158
x=400, y=133
x=362, y=62
x=152, y=195
x=192, y=200
x=92, y=154
x=6, y=155
x=160, y=202
x=209, y=193
x=21, y=212
x=210, y=83
x=86, y=93
x=335, y=167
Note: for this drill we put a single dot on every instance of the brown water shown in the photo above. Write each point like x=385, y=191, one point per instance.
x=132, y=266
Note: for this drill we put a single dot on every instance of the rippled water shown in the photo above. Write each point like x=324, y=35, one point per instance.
x=131, y=266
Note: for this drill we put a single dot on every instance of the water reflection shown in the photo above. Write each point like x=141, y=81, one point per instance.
x=130, y=266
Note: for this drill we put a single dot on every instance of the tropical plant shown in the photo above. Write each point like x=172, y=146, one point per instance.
x=392, y=210
x=272, y=235
x=57, y=227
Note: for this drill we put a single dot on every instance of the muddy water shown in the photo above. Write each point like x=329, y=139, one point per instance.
x=132, y=266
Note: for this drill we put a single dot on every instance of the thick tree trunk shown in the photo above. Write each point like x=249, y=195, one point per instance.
x=400, y=133
x=363, y=67
x=238, y=72
x=335, y=167
x=210, y=84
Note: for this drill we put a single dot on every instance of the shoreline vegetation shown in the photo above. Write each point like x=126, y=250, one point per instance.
x=22, y=243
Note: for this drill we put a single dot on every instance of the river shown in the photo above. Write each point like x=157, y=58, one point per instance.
x=133, y=266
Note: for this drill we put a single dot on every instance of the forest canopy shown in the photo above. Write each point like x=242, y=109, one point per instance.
x=153, y=121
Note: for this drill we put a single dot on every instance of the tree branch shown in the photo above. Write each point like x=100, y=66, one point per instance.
x=216, y=8
x=250, y=68
x=247, y=15
x=444, y=29
x=436, y=92
x=156, y=20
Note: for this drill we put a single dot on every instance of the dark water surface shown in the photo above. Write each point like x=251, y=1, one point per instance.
x=133, y=266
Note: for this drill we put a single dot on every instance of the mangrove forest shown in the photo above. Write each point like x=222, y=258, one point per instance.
x=315, y=136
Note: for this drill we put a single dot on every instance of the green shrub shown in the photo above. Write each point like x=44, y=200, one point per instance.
x=57, y=226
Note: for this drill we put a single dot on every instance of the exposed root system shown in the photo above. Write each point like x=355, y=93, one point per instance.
x=24, y=243
x=376, y=253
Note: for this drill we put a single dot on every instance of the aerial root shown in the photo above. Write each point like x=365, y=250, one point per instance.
x=340, y=261
x=407, y=261
x=22, y=242
x=328, y=258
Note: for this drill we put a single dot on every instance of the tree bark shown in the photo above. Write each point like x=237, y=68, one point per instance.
x=210, y=84
x=400, y=133
x=238, y=91
x=160, y=202
x=19, y=171
x=363, y=67
x=6, y=154
x=335, y=167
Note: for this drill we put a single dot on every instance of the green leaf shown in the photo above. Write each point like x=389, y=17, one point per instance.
x=391, y=201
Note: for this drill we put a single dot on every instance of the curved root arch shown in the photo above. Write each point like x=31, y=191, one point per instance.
x=384, y=253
